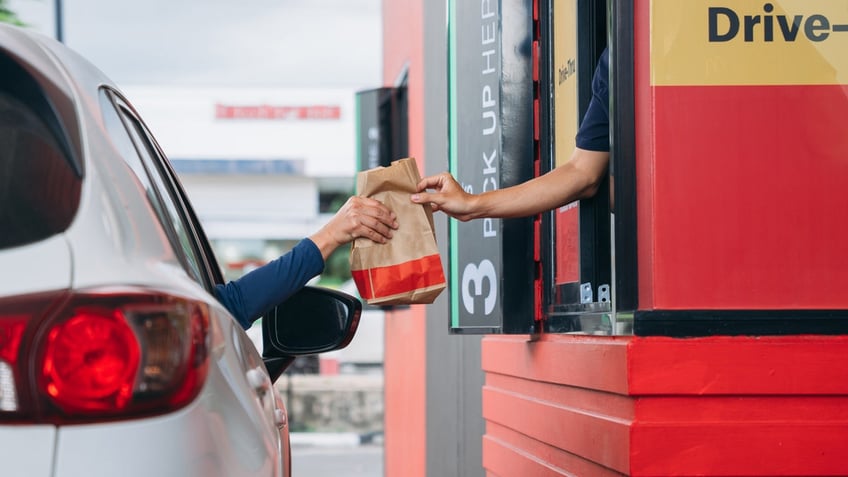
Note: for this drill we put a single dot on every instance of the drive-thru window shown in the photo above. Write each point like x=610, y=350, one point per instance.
x=689, y=319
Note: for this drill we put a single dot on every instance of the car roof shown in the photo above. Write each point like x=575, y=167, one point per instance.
x=48, y=57
x=54, y=78
x=64, y=90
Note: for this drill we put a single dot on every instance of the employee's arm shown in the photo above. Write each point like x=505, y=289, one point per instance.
x=578, y=178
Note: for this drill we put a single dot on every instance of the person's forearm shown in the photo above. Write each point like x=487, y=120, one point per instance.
x=325, y=243
x=558, y=187
x=257, y=291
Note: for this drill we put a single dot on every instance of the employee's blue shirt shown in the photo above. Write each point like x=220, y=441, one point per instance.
x=593, y=134
x=250, y=296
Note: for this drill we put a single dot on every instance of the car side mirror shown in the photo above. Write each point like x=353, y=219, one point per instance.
x=313, y=320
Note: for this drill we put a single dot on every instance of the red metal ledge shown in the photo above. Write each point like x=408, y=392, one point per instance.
x=665, y=406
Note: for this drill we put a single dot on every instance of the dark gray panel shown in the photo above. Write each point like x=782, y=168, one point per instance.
x=490, y=92
x=455, y=423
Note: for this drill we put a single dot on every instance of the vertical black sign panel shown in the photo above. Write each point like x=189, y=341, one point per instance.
x=381, y=127
x=491, y=147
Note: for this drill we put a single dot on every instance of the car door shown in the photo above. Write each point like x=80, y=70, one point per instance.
x=198, y=259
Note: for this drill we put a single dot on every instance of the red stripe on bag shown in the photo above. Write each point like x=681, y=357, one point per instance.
x=387, y=281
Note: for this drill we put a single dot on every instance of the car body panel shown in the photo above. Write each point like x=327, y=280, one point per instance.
x=116, y=240
x=27, y=451
x=28, y=261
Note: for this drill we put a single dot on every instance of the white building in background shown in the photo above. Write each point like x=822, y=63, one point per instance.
x=256, y=162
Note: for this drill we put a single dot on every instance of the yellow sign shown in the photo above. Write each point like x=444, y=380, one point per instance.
x=747, y=42
x=564, y=78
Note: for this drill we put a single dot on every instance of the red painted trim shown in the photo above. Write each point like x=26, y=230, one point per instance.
x=535, y=61
x=751, y=443
x=538, y=282
x=543, y=360
x=789, y=365
x=644, y=151
x=536, y=116
x=510, y=453
x=590, y=401
x=537, y=246
x=573, y=419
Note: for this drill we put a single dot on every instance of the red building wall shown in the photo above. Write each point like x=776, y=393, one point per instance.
x=563, y=404
x=405, y=332
x=737, y=186
x=742, y=153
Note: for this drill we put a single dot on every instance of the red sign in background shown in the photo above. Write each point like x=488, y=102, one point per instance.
x=265, y=111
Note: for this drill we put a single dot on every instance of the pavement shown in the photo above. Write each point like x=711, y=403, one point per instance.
x=334, y=439
x=359, y=461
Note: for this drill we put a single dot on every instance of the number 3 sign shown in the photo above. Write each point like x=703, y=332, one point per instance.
x=476, y=275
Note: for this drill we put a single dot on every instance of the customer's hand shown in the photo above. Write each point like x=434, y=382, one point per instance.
x=358, y=217
x=449, y=197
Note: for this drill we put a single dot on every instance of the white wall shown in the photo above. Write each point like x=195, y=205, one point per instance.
x=184, y=121
x=255, y=206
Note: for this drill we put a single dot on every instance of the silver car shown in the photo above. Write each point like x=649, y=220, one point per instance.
x=116, y=359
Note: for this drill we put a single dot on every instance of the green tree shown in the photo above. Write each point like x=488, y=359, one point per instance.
x=8, y=16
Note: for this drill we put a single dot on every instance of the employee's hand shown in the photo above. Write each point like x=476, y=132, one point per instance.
x=358, y=217
x=449, y=197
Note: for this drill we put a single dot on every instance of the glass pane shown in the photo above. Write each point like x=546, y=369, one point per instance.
x=171, y=208
x=565, y=120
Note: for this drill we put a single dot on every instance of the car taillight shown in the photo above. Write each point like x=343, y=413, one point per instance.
x=105, y=354
x=91, y=361
x=11, y=331
x=16, y=316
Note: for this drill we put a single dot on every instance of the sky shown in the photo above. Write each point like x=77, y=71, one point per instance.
x=273, y=43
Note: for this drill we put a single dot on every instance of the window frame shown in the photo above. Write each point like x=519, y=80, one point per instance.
x=154, y=161
x=584, y=305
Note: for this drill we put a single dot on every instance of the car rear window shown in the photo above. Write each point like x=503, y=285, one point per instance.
x=39, y=188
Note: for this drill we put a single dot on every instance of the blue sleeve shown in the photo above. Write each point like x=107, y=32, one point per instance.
x=248, y=297
x=593, y=134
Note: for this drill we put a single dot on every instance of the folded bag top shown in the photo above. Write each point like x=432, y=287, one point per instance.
x=407, y=269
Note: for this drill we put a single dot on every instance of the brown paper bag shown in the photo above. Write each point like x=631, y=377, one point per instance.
x=407, y=269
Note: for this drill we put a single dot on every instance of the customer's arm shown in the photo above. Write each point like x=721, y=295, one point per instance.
x=248, y=297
